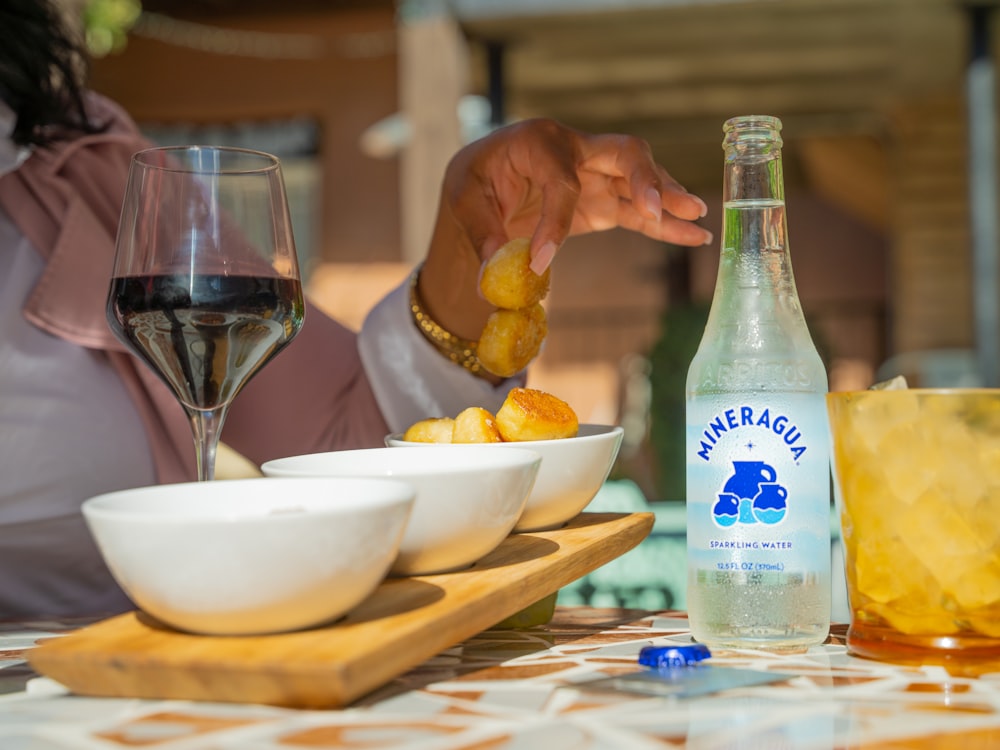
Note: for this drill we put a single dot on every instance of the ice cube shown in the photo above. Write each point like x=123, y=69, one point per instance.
x=875, y=414
x=979, y=584
x=935, y=531
x=885, y=570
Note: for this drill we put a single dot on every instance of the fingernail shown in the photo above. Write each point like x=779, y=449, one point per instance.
x=708, y=238
x=479, y=280
x=543, y=258
x=703, y=207
x=654, y=203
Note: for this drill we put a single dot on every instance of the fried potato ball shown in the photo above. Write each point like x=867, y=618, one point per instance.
x=476, y=425
x=526, y=414
x=530, y=414
x=507, y=280
x=511, y=339
x=436, y=430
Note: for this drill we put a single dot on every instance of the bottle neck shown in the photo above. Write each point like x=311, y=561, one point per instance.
x=754, y=242
x=754, y=230
x=756, y=338
x=753, y=162
x=755, y=301
x=753, y=191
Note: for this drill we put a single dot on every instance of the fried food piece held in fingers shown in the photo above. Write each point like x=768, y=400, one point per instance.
x=511, y=339
x=507, y=280
x=529, y=414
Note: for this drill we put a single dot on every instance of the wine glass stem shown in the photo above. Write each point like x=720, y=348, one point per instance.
x=206, y=425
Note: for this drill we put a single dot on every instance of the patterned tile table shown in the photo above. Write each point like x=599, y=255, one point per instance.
x=524, y=689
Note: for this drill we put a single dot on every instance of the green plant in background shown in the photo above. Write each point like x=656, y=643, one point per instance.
x=681, y=329
x=106, y=24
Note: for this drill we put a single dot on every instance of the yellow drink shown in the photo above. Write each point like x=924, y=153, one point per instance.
x=917, y=486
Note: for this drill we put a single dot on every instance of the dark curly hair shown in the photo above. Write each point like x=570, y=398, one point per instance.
x=43, y=66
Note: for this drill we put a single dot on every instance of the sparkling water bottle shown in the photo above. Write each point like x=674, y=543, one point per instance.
x=758, y=465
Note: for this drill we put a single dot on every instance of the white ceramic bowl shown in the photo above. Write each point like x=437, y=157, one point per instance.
x=572, y=472
x=468, y=497
x=251, y=555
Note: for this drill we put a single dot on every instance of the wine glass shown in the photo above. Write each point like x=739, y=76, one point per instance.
x=205, y=287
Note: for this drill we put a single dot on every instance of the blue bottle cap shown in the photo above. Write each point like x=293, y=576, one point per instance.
x=670, y=657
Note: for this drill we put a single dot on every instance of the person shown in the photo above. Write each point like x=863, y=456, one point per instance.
x=80, y=416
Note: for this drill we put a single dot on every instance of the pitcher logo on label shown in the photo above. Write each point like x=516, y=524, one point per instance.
x=751, y=495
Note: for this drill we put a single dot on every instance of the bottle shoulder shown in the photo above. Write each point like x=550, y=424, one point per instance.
x=787, y=372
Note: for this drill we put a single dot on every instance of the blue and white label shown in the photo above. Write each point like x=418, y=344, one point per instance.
x=758, y=482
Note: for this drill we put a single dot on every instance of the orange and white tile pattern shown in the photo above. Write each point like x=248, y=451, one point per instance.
x=526, y=689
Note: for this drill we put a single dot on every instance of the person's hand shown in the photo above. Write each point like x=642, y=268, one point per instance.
x=543, y=180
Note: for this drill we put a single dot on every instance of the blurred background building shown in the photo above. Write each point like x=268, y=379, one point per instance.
x=366, y=100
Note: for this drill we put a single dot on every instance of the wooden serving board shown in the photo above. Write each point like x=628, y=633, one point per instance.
x=405, y=622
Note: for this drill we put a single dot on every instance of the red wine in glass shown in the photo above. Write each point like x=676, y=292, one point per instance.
x=205, y=335
x=205, y=288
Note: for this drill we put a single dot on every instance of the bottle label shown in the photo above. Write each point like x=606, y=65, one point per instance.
x=758, y=483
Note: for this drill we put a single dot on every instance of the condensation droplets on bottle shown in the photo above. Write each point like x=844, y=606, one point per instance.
x=758, y=476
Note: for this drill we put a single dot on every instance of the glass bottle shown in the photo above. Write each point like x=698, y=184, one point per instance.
x=758, y=466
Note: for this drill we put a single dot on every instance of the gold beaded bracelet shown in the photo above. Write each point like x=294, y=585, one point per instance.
x=458, y=350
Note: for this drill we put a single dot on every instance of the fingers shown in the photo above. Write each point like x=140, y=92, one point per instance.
x=555, y=221
x=677, y=231
x=476, y=198
x=666, y=228
x=650, y=187
x=666, y=222
x=678, y=201
x=543, y=257
x=520, y=180
x=550, y=161
x=541, y=179
x=529, y=171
